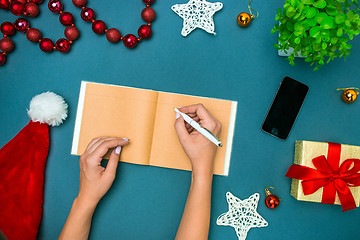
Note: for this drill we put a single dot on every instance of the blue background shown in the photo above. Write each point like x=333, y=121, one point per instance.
x=237, y=64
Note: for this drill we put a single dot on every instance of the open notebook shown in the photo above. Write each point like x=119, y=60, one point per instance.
x=147, y=118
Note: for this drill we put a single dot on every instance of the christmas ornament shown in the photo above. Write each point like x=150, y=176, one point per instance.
x=113, y=35
x=31, y=9
x=244, y=19
x=349, y=95
x=197, y=14
x=271, y=201
x=22, y=165
x=242, y=215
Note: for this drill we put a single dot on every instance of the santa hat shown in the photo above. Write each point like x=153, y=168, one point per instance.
x=22, y=165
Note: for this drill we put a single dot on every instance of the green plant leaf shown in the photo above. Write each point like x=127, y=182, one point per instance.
x=340, y=18
x=339, y=32
x=320, y=4
x=297, y=40
x=290, y=26
x=312, y=12
x=334, y=40
x=308, y=2
x=290, y=12
x=327, y=23
x=311, y=22
x=314, y=31
x=320, y=17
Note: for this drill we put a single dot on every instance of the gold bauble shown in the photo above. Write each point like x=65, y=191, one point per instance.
x=349, y=95
x=244, y=19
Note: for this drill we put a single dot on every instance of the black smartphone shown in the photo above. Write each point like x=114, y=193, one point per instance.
x=285, y=108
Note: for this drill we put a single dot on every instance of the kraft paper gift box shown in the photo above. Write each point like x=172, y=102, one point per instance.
x=327, y=173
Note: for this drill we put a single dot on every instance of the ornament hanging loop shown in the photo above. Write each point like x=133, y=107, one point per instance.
x=244, y=19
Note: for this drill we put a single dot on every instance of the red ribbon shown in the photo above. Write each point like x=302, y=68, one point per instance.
x=331, y=176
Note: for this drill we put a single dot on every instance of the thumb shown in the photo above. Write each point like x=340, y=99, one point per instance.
x=180, y=128
x=113, y=162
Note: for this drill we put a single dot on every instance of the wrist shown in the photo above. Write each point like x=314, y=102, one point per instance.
x=85, y=203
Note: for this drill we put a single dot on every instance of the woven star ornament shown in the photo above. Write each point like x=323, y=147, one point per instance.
x=242, y=215
x=197, y=14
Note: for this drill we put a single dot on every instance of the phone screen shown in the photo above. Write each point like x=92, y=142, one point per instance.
x=285, y=108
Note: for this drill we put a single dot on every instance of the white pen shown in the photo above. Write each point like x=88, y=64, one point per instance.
x=205, y=132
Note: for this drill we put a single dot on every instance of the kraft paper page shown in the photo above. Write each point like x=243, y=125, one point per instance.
x=166, y=150
x=116, y=111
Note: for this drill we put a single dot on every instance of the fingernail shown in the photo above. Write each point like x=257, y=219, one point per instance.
x=126, y=139
x=177, y=115
x=118, y=150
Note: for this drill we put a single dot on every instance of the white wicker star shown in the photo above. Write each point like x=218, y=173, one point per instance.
x=197, y=14
x=242, y=215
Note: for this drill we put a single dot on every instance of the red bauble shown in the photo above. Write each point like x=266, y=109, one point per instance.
x=31, y=9
x=55, y=6
x=99, y=27
x=7, y=45
x=71, y=33
x=148, y=14
x=21, y=24
x=87, y=14
x=63, y=45
x=113, y=35
x=17, y=8
x=46, y=45
x=33, y=35
x=7, y=28
x=22, y=1
x=144, y=31
x=272, y=201
x=4, y=4
x=130, y=41
x=79, y=3
x=2, y=59
x=148, y=1
x=66, y=18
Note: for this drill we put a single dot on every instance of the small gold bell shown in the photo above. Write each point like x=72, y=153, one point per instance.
x=244, y=19
x=349, y=95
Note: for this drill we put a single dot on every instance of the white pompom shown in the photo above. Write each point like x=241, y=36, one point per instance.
x=49, y=108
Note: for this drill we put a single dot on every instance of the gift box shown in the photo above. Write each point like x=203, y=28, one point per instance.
x=326, y=173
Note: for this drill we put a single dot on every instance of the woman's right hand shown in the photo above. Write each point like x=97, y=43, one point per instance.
x=200, y=150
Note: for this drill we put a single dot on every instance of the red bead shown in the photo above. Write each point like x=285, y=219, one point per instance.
x=87, y=14
x=37, y=1
x=63, y=45
x=272, y=201
x=79, y=3
x=2, y=59
x=66, y=18
x=17, y=8
x=55, y=6
x=113, y=35
x=21, y=24
x=8, y=28
x=4, y=4
x=148, y=14
x=98, y=27
x=71, y=33
x=144, y=31
x=31, y=9
x=130, y=41
x=33, y=35
x=148, y=1
x=46, y=45
x=7, y=45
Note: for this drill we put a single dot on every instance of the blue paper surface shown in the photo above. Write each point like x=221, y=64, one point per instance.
x=239, y=64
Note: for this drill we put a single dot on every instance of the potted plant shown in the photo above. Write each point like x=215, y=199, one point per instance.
x=318, y=30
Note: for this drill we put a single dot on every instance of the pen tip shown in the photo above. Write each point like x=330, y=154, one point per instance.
x=220, y=145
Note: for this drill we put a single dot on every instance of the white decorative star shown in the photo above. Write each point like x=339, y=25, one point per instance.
x=242, y=215
x=197, y=14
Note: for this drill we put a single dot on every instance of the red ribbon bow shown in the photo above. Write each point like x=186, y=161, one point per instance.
x=331, y=176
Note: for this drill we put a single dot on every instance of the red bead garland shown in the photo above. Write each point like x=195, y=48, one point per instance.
x=113, y=35
x=30, y=8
